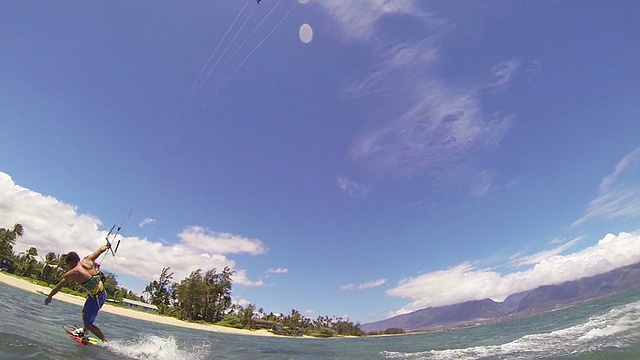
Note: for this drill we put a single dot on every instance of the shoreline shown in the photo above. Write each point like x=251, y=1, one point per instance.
x=130, y=313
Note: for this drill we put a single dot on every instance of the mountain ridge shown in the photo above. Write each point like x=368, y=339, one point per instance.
x=530, y=302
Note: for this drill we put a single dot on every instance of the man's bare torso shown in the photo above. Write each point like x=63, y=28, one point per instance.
x=85, y=270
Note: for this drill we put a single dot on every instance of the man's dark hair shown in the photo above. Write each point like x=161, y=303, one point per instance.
x=72, y=258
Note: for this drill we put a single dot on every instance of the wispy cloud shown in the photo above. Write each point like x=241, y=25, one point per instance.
x=501, y=74
x=520, y=260
x=467, y=282
x=533, y=69
x=366, y=285
x=619, y=193
x=357, y=19
x=397, y=56
x=277, y=271
x=483, y=183
x=442, y=125
x=535, y=66
x=351, y=187
x=51, y=225
x=146, y=221
x=429, y=123
x=372, y=284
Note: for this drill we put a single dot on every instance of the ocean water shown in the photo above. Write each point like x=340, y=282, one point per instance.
x=604, y=329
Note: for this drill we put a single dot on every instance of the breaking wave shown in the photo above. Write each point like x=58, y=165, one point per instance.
x=618, y=328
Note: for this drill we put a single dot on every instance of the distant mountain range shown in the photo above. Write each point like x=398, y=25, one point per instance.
x=538, y=300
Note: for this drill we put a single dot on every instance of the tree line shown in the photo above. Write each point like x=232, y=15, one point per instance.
x=206, y=297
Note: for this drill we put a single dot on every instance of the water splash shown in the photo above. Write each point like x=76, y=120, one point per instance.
x=152, y=347
x=618, y=328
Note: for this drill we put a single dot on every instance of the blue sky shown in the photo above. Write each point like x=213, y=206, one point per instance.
x=357, y=159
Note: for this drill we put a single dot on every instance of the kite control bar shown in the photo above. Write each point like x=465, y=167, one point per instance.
x=115, y=234
x=113, y=252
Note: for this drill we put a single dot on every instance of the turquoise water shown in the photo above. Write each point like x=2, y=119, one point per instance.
x=606, y=329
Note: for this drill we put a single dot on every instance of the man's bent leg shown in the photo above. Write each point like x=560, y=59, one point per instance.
x=94, y=329
x=90, y=312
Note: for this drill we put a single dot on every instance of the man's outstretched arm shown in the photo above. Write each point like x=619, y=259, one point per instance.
x=99, y=252
x=55, y=290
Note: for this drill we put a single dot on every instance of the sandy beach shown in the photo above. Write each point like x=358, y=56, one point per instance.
x=117, y=310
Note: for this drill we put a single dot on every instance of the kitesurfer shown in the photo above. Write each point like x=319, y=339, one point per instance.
x=85, y=272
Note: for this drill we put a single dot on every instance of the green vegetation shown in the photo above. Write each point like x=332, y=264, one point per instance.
x=232, y=321
x=207, y=297
x=389, y=331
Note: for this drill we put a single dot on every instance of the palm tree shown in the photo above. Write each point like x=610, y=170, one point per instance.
x=33, y=253
x=51, y=258
x=49, y=267
x=8, y=238
x=148, y=290
x=28, y=261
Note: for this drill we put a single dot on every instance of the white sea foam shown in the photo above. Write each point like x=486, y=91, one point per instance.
x=618, y=328
x=151, y=347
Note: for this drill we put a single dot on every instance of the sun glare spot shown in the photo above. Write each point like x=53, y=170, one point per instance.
x=306, y=33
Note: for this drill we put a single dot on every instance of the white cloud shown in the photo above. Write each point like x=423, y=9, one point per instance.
x=201, y=239
x=365, y=285
x=147, y=221
x=240, y=277
x=277, y=271
x=51, y=225
x=619, y=193
x=242, y=302
x=466, y=282
x=351, y=187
